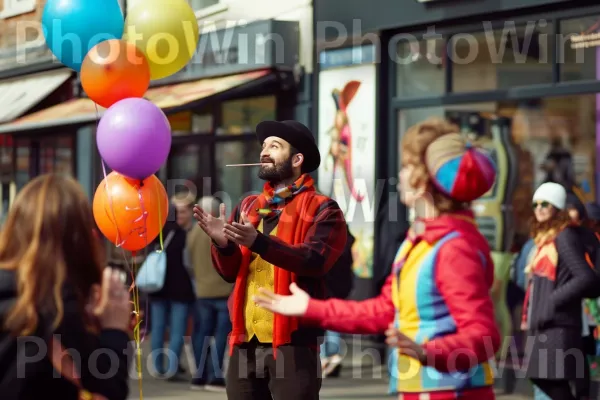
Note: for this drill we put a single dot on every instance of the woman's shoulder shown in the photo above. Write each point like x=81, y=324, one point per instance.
x=577, y=238
x=575, y=232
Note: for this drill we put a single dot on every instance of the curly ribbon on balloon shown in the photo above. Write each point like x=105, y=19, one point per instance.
x=160, y=232
x=133, y=268
x=145, y=219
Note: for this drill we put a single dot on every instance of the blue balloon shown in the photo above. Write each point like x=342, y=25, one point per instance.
x=73, y=27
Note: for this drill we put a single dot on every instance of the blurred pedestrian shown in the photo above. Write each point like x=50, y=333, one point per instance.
x=55, y=293
x=339, y=282
x=170, y=306
x=211, y=315
x=560, y=280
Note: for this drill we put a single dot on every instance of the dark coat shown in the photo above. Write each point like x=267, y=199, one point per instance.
x=178, y=281
x=555, y=321
x=392, y=224
x=22, y=380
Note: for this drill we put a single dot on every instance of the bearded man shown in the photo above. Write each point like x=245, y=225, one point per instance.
x=287, y=234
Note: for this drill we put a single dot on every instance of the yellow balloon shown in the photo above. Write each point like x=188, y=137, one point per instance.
x=166, y=32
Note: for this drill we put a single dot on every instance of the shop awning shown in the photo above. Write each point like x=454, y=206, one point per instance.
x=19, y=95
x=169, y=98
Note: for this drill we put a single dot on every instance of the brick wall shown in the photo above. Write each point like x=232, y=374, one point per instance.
x=20, y=28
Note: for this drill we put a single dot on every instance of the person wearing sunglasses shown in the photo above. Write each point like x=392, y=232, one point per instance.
x=560, y=279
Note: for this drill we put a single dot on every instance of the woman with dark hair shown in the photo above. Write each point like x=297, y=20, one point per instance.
x=170, y=307
x=56, y=294
x=560, y=280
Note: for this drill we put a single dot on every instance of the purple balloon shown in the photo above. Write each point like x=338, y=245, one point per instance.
x=134, y=138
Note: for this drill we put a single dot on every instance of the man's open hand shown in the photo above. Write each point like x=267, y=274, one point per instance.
x=213, y=226
x=243, y=234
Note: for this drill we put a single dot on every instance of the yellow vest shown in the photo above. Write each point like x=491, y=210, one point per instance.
x=261, y=274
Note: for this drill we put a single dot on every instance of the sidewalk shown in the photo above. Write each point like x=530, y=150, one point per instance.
x=360, y=379
x=333, y=389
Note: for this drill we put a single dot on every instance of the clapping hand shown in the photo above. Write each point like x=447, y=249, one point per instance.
x=211, y=225
x=243, y=233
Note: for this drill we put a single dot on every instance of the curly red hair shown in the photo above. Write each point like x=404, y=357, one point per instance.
x=556, y=224
x=413, y=147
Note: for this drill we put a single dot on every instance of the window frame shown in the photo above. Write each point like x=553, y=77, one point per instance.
x=208, y=11
x=388, y=153
x=450, y=97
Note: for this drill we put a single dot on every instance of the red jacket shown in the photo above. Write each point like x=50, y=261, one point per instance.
x=464, y=280
x=311, y=234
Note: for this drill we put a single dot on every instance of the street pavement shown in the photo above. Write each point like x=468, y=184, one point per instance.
x=372, y=386
x=357, y=382
x=344, y=388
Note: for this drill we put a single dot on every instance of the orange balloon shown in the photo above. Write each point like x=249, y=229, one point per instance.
x=130, y=215
x=114, y=70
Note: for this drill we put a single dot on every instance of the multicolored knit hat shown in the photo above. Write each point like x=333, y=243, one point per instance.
x=459, y=170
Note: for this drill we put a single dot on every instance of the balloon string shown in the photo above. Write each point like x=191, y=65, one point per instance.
x=133, y=269
x=136, y=329
x=145, y=230
x=144, y=219
x=144, y=215
x=160, y=235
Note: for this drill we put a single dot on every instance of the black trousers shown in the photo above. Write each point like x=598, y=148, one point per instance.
x=254, y=374
x=583, y=385
x=556, y=389
x=561, y=389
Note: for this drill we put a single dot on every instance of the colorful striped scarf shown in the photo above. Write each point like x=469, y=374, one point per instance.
x=277, y=199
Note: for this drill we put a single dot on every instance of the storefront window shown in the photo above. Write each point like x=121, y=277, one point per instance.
x=181, y=123
x=202, y=123
x=235, y=182
x=23, y=163
x=522, y=136
x=47, y=156
x=242, y=116
x=189, y=164
x=56, y=155
x=6, y=158
x=579, y=42
x=501, y=59
x=420, y=68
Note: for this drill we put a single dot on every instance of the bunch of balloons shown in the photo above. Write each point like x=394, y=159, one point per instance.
x=116, y=60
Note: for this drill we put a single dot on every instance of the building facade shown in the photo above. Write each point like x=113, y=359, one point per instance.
x=253, y=62
x=29, y=81
x=520, y=77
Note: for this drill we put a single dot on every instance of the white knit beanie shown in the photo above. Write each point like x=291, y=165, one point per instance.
x=553, y=193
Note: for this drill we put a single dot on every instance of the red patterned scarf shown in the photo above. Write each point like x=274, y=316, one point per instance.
x=277, y=199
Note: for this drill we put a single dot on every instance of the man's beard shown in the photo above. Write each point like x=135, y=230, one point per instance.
x=276, y=173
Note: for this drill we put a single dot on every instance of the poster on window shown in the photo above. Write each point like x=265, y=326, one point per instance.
x=347, y=95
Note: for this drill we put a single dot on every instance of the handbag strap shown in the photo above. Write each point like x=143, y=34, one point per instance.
x=63, y=363
x=170, y=236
